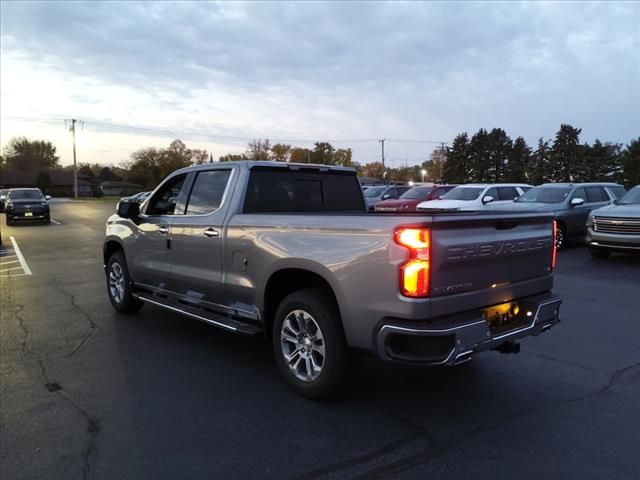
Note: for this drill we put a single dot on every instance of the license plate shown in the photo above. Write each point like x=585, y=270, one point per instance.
x=28, y=214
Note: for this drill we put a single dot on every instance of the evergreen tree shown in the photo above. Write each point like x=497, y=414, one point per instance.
x=499, y=147
x=630, y=162
x=539, y=166
x=479, y=158
x=457, y=164
x=566, y=155
x=518, y=168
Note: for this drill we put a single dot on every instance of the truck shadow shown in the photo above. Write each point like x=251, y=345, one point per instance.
x=203, y=398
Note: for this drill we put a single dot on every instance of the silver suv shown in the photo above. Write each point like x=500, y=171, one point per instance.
x=615, y=227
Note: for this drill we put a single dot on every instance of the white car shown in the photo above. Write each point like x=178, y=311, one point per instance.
x=475, y=196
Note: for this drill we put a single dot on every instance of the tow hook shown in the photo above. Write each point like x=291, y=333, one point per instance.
x=508, y=347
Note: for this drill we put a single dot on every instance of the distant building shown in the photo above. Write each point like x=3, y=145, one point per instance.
x=119, y=188
x=59, y=183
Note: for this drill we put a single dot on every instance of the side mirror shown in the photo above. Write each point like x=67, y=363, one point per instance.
x=515, y=199
x=576, y=201
x=615, y=201
x=487, y=199
x=126, y=209
x=48, y=197
x=386, y=196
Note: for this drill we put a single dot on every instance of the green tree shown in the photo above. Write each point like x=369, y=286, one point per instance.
x=600, y=162
x=107, y=175
x=232, y=157
x=373, y=169
x=630, y=163
x=499, y=147
x=479, y=158
x=43, y=181
x=456, y=166
x=300, y=155
x=565, y=161
x=149, y=166
x=539, y=167
x=30, y=155
x=323, y=153
x=280, y=152
x=343, y=157
x=259, y=150
x=434, y=166
x=518, y=166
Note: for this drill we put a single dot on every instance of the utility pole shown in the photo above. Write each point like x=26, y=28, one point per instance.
x=381, y=142
x=75, y=164
x=442, y=160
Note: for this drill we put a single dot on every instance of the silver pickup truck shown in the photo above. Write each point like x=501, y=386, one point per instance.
x=289, y=252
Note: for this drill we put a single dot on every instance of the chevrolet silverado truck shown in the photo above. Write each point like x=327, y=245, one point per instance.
x=289, y=252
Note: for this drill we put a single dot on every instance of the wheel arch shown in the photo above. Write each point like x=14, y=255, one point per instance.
x=288, y=279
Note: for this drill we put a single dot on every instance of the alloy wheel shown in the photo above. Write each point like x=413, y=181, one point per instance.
x=303, y=346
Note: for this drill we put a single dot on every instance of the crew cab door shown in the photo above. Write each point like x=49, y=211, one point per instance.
x=148, y=256
x=197, y=237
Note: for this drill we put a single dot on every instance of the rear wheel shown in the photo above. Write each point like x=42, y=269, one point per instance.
x=309, y=344
x=119, y=285
x=597, y=252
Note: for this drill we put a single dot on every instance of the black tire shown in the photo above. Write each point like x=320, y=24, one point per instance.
x=561, y=236
x=47, y=221
x=124, y=301
x=336, y=363
x=9, y=222
x=597, y=252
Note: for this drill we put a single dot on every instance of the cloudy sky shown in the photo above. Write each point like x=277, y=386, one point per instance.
x=218, y=74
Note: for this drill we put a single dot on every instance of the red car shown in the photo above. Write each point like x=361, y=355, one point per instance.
x=409, y=200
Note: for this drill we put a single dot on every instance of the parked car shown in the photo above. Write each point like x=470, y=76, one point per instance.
x=26, y=204
x=289, y=252
x=570, y=203
x=615, y=227
x=376, y=194
x=3, y=197
x=409, y=200
x=476, y=196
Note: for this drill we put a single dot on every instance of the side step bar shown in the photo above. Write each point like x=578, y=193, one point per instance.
x=200, y=314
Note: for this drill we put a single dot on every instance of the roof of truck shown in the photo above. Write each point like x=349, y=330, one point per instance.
x=268, y=163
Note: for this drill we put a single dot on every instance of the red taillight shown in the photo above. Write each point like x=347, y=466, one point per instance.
x=555, y=248
x=414, y=275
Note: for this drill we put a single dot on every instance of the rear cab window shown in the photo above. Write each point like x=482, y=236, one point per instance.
x=280, y=190
x=596, y=194
x=507, y=193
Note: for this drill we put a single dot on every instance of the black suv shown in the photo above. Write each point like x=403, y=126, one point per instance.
x=26, y=204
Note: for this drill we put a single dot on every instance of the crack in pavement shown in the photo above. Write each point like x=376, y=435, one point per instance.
x=93, y=325
x=93, y=424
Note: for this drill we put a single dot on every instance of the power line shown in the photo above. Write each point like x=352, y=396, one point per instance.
x=223, y=137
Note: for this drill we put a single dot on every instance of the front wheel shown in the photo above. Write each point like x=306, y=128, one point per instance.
x=599, y=252
x=309, y=344
x=119, y=285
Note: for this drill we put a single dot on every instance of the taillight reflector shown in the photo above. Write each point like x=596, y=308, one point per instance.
x=414, y=275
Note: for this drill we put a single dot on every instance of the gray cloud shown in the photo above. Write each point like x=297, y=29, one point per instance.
x=399, y=68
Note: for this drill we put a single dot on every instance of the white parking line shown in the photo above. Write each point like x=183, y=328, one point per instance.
x=23, y=262
x=2, y=264
x=56, y=222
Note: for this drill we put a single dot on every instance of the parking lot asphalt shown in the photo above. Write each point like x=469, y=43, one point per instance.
x=86, y=392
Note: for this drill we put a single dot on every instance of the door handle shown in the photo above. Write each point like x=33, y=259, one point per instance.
x=163, y=230
x=211, y=232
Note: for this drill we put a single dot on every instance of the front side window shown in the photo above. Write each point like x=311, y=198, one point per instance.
x=207, y=192
x=373, y=192
x=618, y=192
x=596, y=194
x=165, y=200
x=492, y=192
x=507, y=193
x=416, y=193
x=579, y=193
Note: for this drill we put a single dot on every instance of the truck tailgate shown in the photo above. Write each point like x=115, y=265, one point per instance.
x=484, y=252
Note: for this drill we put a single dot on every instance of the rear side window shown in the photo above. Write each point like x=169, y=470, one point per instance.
x=207, y=192
x=282, y=190
x=507, y=193
x=596, y=194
